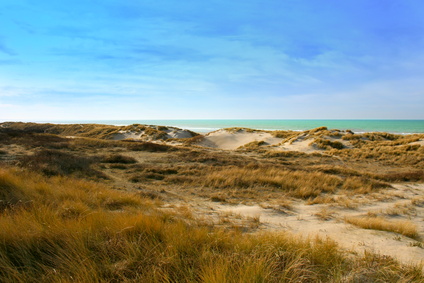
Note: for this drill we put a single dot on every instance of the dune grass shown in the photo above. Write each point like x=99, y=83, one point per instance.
x=98, y=131
x=56, y=162
x=298, y=184
x=403, y=227
x=294, y=183
x=294, y=173
x=59, y=229
x=56, y=228
x=327, y=144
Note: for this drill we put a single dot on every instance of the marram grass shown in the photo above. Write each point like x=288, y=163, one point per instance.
x=404, y=227
x=59, y=229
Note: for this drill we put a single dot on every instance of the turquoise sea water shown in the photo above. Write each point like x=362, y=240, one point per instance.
x=205, y=126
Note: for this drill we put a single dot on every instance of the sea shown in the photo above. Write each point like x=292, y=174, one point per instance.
x=206, y=126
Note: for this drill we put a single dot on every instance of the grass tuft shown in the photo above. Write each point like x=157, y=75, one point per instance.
x=80, y=231
x=55, y=162
x=403, y=227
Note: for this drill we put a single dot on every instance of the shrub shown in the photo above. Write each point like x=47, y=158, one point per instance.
x=118, y=158
x=147, y=146
x=54, y=162
x=31, y=140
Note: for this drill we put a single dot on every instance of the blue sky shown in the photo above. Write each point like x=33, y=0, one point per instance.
x=251, y=59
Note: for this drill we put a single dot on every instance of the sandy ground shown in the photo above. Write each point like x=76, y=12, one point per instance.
x=324, y=220
x=123, y=135
x=305, y=220
x=228, y=140
x=302, y=144
x=420, y=142
x=224, y=139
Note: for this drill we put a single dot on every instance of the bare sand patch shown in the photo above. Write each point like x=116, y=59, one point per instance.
x=420, y=142
x=302, y=145
x=176, y=133
x=307, y=221
x=229, y=140
x=124, y=135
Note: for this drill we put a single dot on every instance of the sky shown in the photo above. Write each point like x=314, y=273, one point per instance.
x=216, y=59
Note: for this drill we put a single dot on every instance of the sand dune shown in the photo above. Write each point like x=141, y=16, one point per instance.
x=145, y=135
x=303, y=145
x=250, y=180
x=231, y=139
x=228, y=139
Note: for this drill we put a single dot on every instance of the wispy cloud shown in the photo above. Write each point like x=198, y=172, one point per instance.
x=10, y=62
x=6, y=50
x=279, y=59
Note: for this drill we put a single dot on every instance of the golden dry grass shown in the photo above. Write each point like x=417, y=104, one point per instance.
x=404, y=227
x=59, y=229
x=62, y=229
x=295, y=183
x=86, y=130
x=324, y=213
x=327, y=144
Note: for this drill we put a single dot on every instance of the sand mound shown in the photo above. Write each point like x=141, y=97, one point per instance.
x=153, y=133
x=315, y=140
x=230, y=139
x=124, y=135
x=176, y=133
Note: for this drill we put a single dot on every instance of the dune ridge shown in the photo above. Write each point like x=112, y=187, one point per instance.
x=364, y=191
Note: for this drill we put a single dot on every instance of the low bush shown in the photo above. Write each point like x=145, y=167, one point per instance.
x=55, y=162
x=147, y=146
x=33, y=140
x=118, y=158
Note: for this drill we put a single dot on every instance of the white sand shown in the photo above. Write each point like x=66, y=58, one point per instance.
x=420, y=142
x=303, y=145
x=229, y=140
x=176, y=133
x=123, y=135
x=225, y=139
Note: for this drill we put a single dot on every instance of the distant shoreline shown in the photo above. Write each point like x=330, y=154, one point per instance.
x=206, y=126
